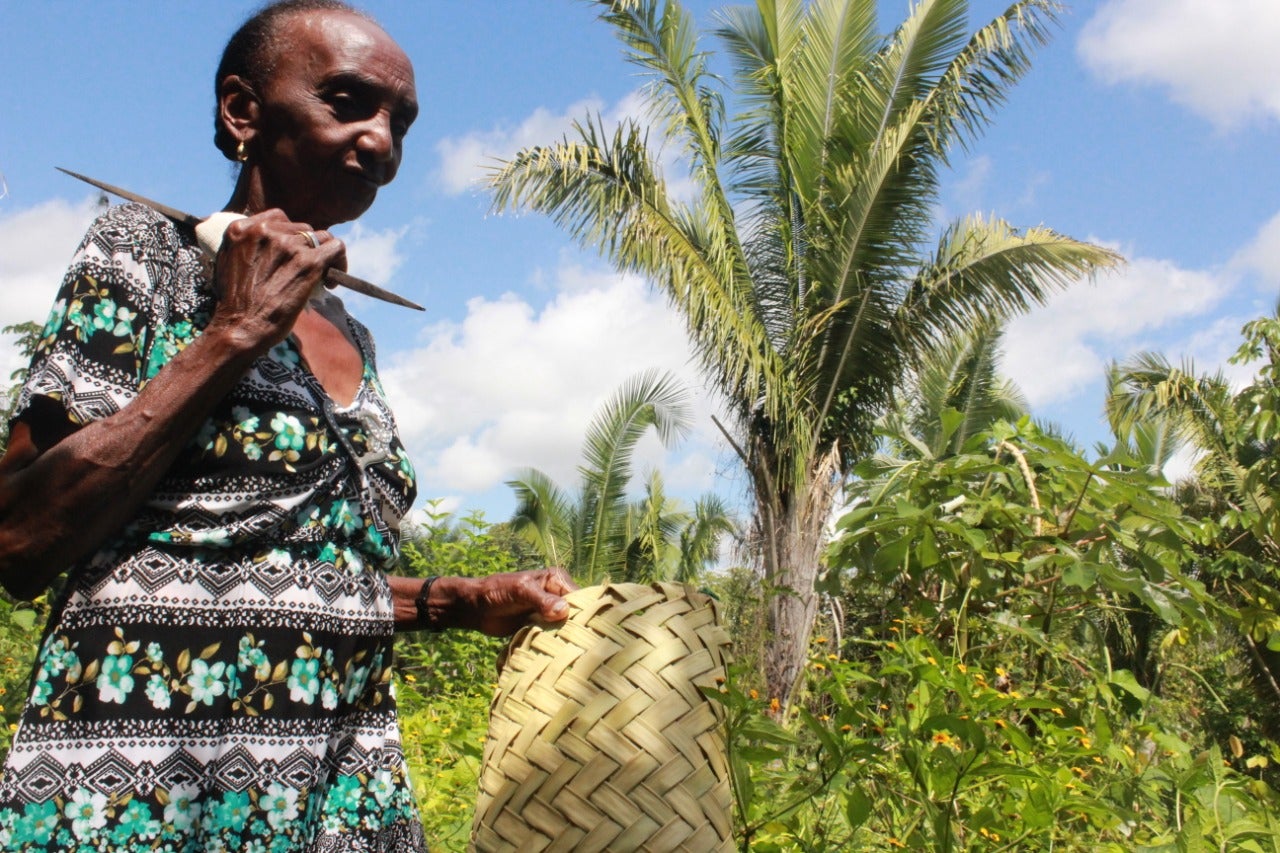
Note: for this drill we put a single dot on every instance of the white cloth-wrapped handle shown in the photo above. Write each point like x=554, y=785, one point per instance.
x=209, y=236
x=209, y=233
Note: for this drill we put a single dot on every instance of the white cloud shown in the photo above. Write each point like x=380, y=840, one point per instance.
x=374, y=255
x=1262, y=254
x=36, y=245
x=1056, y=351
x=466, y=160
x=511, y=386
x=1215, y=57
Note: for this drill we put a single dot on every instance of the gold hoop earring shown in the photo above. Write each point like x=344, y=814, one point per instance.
x=242, y=154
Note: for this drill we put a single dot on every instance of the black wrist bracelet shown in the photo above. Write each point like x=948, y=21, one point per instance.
x=425, y=620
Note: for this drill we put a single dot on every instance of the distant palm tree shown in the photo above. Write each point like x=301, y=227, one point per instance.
x=600, y=533
x=954, y=393
x=1235, y=481
x=804, y=268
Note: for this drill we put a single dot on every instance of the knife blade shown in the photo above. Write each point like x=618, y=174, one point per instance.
x=332, y=275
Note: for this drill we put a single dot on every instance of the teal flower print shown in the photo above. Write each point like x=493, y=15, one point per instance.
x=135, y=822
x=158, y=692
x=303, y=681
x=246, y=421
x=252, y=657
x=206, y=682
x=37, y=822
x=382, y=787
x=182, y=810
x=342, y=517
x=114, y=681
x=56, y=317
x=80, y=321
x=113, y=318
x=285, y=354
x=354, y=685
x=154, y=653
x=281, y=803
x=234, y=811
x=43, y=690
x=289, y=431
x=329, y=695
x=87, y=811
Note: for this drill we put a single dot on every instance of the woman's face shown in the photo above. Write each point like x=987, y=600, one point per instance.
x=333, y=117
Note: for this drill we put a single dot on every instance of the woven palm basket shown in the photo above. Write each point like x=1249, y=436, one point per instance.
x=599, y=737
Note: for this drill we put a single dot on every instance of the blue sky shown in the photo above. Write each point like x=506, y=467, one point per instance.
x=1149, y=125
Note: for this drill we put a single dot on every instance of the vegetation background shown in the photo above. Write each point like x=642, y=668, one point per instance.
x=992, y=639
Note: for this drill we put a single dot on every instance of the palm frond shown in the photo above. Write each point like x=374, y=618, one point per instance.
x=986, y=270
x=545, y=517
x=607, y=196
x=977, y=81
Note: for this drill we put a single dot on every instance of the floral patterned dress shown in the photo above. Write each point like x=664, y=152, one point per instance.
x=217, y=676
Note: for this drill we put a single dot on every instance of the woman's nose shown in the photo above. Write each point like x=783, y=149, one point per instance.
x=377, y=138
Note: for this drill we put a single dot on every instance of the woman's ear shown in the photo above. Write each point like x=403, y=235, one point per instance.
x=239, y=109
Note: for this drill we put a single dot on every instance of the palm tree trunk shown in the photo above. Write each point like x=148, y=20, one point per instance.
x=794, y=529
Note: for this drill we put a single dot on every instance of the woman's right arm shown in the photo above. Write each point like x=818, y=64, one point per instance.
x=65, y=490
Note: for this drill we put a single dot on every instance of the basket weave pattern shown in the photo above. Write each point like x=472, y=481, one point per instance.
x=599, y=738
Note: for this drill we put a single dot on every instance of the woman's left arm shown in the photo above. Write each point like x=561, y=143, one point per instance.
x=498, y=605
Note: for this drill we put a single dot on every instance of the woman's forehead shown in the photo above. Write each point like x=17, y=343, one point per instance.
x=316, y=44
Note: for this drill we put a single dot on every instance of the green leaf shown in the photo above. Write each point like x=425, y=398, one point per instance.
x=857, y=807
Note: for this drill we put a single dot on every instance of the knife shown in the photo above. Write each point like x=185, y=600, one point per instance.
x=332, y=275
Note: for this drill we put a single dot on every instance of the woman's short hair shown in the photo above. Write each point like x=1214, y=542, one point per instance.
x=252, y=51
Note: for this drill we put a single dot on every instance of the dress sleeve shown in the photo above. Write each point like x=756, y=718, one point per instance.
x=96, y=349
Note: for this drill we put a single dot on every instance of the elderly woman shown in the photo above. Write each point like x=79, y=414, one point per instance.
x=206, y=451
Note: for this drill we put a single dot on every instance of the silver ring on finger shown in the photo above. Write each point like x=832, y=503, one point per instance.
x=310, y=237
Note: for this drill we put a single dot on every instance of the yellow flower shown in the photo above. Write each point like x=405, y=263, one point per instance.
x=819, y=667
x=823, y=717
x=833, y=657
x=754, y=694
x=1085, y=742
x=962, y=668
x=774, y=705
x=1001, y=724
x=932, y=660
x=409, y=678
x=1001, y=671
x=820, y=640
x=846, y=728
x=1058, y=711
x=893, y=842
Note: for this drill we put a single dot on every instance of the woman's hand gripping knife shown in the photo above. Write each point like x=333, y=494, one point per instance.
x=66, y=488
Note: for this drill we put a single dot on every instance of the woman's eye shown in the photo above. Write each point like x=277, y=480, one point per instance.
x=345, y=104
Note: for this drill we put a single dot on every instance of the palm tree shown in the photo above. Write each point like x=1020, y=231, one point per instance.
x=1236, y=475
x=598, y=533
x=803, y=267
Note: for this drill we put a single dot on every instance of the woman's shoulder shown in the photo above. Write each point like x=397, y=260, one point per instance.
x=134, y=229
